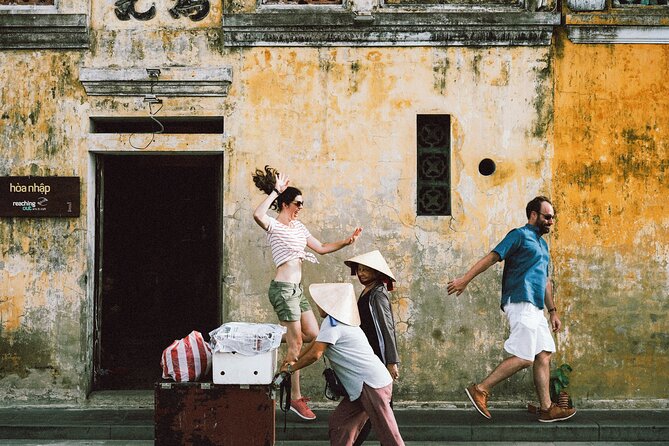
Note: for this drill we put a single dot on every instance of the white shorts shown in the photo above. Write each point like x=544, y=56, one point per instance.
x=530, y=333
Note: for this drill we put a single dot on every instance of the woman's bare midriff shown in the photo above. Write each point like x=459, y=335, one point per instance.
x=291, y=271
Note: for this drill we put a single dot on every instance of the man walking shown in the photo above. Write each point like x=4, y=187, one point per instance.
x=526, y=289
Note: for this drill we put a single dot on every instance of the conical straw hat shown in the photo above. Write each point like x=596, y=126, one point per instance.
x=373, y=260
x=337, y=300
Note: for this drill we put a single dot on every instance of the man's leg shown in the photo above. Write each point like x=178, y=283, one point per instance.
x=504, y=370
x=550, y=411
x=541, y=371
x=478, y=393
x=520, y=344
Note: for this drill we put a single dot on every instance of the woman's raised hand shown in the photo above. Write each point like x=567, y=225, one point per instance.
x=354, y=236
x=281, y=182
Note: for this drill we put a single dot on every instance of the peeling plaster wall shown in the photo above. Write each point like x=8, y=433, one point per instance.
x=611, y=248
x=341, y=122
x=43, y=308
x=46, y=303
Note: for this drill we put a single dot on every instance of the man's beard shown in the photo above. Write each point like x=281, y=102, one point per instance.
x=544, y=228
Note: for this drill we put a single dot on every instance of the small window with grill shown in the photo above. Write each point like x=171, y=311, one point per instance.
x=433, y=140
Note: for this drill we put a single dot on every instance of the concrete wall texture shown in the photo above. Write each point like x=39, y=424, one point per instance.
x=610, y=176
x=584, y=124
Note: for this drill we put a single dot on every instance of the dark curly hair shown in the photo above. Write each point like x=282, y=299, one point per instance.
x=535, y=205
x=266, y=181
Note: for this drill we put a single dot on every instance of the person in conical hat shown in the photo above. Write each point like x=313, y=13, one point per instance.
x=336, y=300
x=376, y=313
x=375, y=261
x=363, y=375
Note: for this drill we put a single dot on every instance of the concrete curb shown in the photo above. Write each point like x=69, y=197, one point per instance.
x=424, y=425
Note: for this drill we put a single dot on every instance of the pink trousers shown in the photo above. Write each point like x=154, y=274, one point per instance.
x=350, y=416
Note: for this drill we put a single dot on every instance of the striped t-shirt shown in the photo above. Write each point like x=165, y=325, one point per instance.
x=288, y=242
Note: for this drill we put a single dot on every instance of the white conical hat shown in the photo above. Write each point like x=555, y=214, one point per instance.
x=337, y=300
x=373, y=260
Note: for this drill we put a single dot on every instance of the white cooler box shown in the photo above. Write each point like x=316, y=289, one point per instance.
x=235, y=368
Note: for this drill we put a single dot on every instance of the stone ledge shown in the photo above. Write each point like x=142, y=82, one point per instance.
x=599, y=34
x=44, y=31
x=171, y=81
x=619, y=18
x=592, y=21
x=389, y=29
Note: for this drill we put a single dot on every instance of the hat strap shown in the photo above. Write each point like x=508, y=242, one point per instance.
x=333, y=321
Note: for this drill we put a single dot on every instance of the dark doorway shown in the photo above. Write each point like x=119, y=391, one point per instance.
x=158, y=265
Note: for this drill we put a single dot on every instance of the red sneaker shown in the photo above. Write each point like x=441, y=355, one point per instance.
x=301, y=409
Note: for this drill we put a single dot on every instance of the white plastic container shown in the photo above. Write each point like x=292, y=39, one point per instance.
x=235, y=368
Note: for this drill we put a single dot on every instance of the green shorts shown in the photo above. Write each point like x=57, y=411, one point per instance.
x=288, y=300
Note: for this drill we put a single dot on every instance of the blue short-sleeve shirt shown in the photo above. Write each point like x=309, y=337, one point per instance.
x=526, y=265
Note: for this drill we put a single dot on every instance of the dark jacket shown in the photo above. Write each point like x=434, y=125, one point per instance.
x=383, y=323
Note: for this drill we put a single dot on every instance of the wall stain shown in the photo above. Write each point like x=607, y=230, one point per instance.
x=28, y=347
x=504, y=172
x=34, y=114
x=325, y=62
x=476, y=63
x=355, y=71
x=374, y=56
x=440, y=72
x=438, y=335
x=543, y=101
x=641, y=154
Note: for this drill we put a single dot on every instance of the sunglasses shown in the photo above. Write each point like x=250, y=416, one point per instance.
x=299, y=204
x=547, y=216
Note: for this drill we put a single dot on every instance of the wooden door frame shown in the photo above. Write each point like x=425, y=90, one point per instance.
x=95, y=216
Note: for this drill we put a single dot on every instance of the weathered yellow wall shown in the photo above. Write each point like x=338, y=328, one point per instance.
x=341, y=122
x=42, y=261
x=611, y=180
x=46, y=303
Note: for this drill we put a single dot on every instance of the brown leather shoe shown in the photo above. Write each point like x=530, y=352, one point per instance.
x=556, y=413
x=479, y=399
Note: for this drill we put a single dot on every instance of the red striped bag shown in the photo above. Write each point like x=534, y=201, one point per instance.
x=187, y=359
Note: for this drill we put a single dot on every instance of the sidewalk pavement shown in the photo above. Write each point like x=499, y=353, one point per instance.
x=418, y=426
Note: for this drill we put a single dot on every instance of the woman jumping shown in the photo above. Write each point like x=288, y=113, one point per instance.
x=288, y=238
